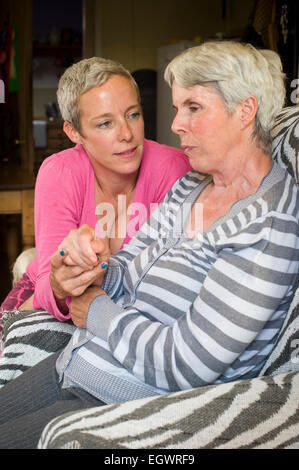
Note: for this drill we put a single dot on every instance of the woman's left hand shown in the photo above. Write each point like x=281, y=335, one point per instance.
x=79, y=305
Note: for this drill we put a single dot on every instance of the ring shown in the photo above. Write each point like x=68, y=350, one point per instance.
x=62, y=252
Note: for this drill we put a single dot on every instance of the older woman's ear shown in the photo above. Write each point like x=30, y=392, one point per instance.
x=71, y=132
x=248, y=110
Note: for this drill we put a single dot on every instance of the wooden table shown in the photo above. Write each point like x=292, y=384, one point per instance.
x=17, y=197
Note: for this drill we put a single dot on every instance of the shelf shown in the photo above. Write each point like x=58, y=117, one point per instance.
x=57, y=51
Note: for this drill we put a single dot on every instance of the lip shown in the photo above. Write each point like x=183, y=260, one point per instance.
x=128, y=153
x=187, y=148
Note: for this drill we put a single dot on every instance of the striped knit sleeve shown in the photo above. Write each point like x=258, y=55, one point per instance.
x=147, y=234
x=248, y=282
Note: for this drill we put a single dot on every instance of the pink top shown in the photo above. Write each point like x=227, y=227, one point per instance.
x=65, y=199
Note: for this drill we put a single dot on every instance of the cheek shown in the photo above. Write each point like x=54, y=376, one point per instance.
x=201, y=128
x=139, y=128
x=100, y=145
x=106, y=137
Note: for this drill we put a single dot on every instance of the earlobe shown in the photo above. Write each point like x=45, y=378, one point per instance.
x=248, y=111
x=71, y=132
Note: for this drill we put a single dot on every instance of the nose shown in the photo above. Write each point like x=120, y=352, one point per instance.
x=125, y=132
x=178, y=126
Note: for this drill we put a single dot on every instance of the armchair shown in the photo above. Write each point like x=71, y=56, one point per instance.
x=258, y=413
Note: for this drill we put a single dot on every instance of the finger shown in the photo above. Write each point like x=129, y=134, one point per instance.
x=70, y=272
x=77, y=285
x=86, y=245
x=88, y=277
x=63, y=279
x=82, y=251
x=68, y=261
x=57, y=259
x=84, y=237
x=102, y=248
x=63, y=258
x=75, y=256
x=79, y=248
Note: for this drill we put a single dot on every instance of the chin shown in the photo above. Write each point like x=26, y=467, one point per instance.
x=129, y=168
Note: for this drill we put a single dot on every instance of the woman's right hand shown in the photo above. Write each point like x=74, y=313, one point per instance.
x=80, y=261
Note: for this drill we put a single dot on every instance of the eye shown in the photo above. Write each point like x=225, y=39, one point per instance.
x=193, y=108
x=104, y=125
x=136, y=115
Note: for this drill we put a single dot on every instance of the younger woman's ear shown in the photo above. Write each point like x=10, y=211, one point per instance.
x=71, y=132
x=248, y=111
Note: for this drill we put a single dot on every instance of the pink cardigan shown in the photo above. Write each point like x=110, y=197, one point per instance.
x=65, y=199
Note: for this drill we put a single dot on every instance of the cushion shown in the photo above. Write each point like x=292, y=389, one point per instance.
x=30, y=337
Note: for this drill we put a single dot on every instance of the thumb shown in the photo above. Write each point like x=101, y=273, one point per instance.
x=101, y=246
x=102, y=249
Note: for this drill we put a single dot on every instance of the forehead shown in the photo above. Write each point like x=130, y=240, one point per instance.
x=185, y=95
x=117, y=90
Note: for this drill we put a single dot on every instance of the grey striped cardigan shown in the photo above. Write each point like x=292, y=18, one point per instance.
x=182, y=313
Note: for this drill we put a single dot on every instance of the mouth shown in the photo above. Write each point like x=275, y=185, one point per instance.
x=187, y=148
x=128, y=153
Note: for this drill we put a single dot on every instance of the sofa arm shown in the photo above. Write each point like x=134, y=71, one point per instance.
x=256, y=413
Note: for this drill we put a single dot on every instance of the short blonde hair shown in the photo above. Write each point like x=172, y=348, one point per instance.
x=81, y=77
x=236, y=71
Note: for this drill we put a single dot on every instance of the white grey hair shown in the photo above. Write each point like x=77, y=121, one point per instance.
x=237, y=71
x=81, y=77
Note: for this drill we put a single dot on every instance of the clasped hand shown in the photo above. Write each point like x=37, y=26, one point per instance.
x=80, y=261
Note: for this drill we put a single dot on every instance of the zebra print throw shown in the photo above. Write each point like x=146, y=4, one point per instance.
x=258, y=413
x=29, y=337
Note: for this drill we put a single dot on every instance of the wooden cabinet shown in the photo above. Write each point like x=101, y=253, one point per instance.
x=17, y=197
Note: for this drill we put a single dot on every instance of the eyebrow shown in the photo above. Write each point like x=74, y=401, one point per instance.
x=109, y=115
x=185, y=103
x=189, y=101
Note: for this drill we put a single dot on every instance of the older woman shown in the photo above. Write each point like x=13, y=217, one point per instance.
x=200, y=293
x=111, y=165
